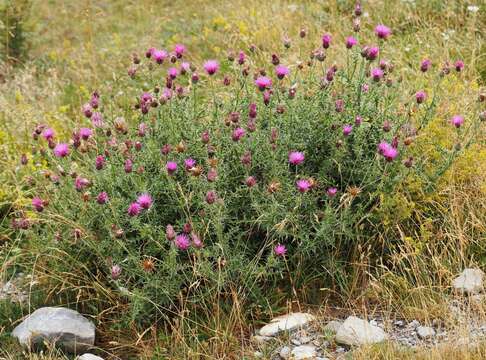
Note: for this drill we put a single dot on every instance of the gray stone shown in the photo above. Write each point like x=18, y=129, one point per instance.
x=66, y=328
x=302, y=352
x=470, y=281
x=286, y=323
x=89, y=356
x=333, y=326
x=425, y=332
x=356, y=331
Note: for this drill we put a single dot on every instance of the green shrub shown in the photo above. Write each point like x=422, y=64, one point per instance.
x=277, y=182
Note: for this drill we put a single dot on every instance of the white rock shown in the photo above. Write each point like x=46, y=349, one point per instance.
x=286, y=323
x=257, y=339
x=425, y=332
x=356, y=331
x=89, y=356
x=284, y=352
x=66, y=328
x=470, y=281
x=304, y=352
x=333, y=326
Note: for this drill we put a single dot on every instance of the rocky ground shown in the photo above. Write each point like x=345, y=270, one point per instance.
x=294, y=336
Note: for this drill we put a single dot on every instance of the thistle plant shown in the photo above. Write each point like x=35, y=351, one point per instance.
x=235, y=173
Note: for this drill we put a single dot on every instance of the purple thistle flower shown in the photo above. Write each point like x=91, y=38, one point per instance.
x=196, y=241
x=241, y=58
x=81, y=183
x=331, y=192
x=173, y=72
x=238, y=133
x=189, y=163
x=171, y=167
x=115, y=272
x=420, y=96
x=250, y=181
x=128, y=166
x=179, y=50
x=358, y=120
x=102, y=198
x=211, y=197
x=303, y=185
x=350, y=42
x=281, y=71
x=211, y=67
x=252, y=111
x=170, y=233
x=376, y=74
x=382, y=31
x=134, y=209
x=425, y=65
x=457, y=121
x=347, y=129
x=326, y=41
x=372, y=53
x=100, y=162
x=185, y=68
x=459, y=65
x=182, y=242
x=280, y=250
x=97, y=120
x=159, y=56
x=212, y=175
x=263, y=82
x=390, y=153
x=61, y=150
x=365, y=88
x=145, y=201
x=296, y=157
x=38, y=204
x=48, y=133
x=85, y=133
x=87, y=110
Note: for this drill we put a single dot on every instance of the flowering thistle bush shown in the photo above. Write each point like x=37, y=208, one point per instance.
x=226, y=174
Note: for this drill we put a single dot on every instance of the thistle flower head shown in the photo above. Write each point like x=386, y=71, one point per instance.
x=350, y=42
x=211, y=67
x=102, y=198
x=382, y=31
x=326, y=40
x=171, y=167
x=182, y=242
x=85, y=133
x=115, y=272
x=425, y=65
x=331, y=192
x=303, y=185
x=145, y=201
x=347, y=129
x=38, y=204
x=48, y=134
x=179, y=50
x=189, y=163
x=296, y=157
x=376, y=74
x=159, y=56
x=281, y=71
x=134, y=209
x=263, y=82
x=238, y=133
x=61, y=150
x=457, y=121
x=280, y=250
